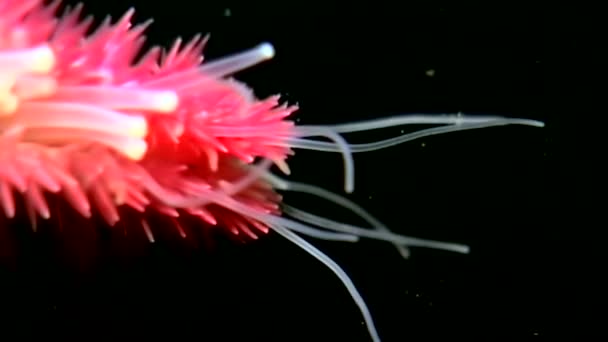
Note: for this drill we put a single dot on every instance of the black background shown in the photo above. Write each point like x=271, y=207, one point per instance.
x=500, y=190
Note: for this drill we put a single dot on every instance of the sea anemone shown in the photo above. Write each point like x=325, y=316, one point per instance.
x=166, y=134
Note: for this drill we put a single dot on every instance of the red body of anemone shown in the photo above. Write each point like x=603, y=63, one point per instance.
x=165, y=138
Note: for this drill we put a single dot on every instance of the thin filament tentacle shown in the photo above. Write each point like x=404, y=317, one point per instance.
x=336, y=269
x=341, y=201
x=374, y=146
x=344, y=148
x=457, y=123
x=362, y=232
x=421, y=119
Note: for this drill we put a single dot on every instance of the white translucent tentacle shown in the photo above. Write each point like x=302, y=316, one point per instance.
x=341, y=201
x=372, y=234
x=427, y=119
x=338, y=271
x=228, y=65
x=455, y=123
x=342, y=146
x=374, y=146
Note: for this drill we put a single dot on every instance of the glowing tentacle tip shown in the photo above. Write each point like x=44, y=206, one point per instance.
x=165, y=102
x=538, y=123
x=137, y=127
x=239, y=61
x=266, y=50
x=8, y=104
x=43, y=59
x=464, y=249
x=168, y=102
x=135, y=149
x=37, y=60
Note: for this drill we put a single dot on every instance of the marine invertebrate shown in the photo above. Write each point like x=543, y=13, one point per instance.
x=167, y=134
